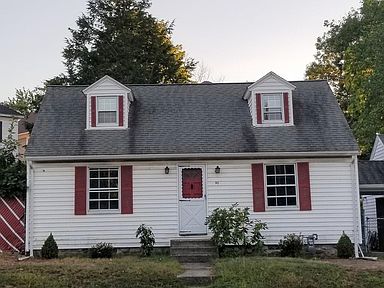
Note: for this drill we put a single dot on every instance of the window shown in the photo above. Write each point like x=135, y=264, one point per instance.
x=103, y=188
x=281, y=185
x=106, y=110
x=272, y=107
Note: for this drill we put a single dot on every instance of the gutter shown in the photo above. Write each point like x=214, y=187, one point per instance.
x=251, y=155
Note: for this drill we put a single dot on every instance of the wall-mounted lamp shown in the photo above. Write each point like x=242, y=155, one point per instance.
x=166, y=170
x=217, y=170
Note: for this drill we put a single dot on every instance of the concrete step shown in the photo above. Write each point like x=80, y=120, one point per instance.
x=196, y=274
x=191, y=243
x=193, y=250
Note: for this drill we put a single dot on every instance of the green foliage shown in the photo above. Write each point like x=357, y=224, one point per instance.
x=147, y=239
x=50, y=249
x=291, y=245
x=13, y=172
x=232, y=226
x=101, y=250
x=122, y=39
x=351, y=56
x=27, y=101
x=345, y=248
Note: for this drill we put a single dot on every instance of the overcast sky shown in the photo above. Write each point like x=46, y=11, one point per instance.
x=237, y=40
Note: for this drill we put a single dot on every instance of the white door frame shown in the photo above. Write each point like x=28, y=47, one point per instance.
x=180, y=167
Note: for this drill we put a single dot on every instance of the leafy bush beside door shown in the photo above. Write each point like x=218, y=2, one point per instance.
x=232, y=226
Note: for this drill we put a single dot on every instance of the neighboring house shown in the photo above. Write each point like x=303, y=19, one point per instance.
x=7, y=116
x=106, y=158
x=24, y=132
x=372, y=191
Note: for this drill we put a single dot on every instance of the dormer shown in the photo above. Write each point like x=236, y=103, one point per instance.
x=270, y=101
x=108, y=104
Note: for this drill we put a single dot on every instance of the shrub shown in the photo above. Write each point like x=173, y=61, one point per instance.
x=50, y=249
x=344, y=247
x=147, y=239
x=232, y=226
x=291, y=245
x=101, y=250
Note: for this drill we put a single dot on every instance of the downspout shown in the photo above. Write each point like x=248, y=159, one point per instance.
x=356, y=211
x=28, y=211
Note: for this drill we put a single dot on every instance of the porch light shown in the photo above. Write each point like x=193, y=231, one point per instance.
x=166, y=170
x=217, y=170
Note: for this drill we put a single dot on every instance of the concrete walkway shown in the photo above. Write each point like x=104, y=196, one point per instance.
x=196, y=274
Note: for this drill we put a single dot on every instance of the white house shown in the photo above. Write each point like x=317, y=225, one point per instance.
x=372, y=192
x=106, y=158
x=7, y=116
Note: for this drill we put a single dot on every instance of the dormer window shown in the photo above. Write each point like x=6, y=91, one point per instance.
x=272, y=107
x=108, y=103
x=270, y=101
x=107, y=110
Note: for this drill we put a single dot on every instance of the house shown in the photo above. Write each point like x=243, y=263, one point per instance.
x=105, y=158
x=371, y=175
x=24, y=129
x=7, y=116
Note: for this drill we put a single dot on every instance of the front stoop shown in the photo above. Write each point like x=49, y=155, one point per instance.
x=193, y=250
x=195, y=255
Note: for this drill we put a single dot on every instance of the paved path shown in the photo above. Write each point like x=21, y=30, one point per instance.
x=196, y=274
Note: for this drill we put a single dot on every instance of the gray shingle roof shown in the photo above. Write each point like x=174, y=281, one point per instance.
x=8, y=111
x=371, y=172
x=190, y=118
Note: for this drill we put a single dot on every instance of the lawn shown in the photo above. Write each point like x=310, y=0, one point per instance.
x=83, y=272
x=257, y=272
x=130, y=271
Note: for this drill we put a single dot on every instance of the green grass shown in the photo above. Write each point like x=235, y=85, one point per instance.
x=83, y=272
x=130, y=271
x=259, y=272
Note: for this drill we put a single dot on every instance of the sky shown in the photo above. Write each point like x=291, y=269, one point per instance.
x=235, y=40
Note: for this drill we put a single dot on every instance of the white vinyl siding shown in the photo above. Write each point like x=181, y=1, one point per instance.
x=378, y=151
x=370, y=216
x=155, y=203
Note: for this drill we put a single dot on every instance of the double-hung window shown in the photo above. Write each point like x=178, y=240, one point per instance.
x=103, y=189
x=107, y=109
x=272, y=107
x=281, y=185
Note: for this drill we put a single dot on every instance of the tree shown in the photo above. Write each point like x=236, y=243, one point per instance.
x=351, y=56
x=121, y=39
x=13, y=174
x=26, y=101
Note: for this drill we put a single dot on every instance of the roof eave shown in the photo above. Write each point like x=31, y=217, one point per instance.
x=256, y=155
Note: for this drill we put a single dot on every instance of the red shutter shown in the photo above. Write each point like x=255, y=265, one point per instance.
x=93, y=111
x=258, y=187
x=304, y=186
x=258, y=108
x=80, y=190
x=286, y=107
x=121, y=111
x=126, y=190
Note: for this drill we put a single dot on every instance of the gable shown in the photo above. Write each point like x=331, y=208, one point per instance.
x=378, y=148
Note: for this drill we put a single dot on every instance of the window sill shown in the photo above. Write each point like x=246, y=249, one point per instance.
x=104, y=212
x=281, y=208
x=107, y=128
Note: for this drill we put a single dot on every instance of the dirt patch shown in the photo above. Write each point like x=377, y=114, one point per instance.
x=358, y=264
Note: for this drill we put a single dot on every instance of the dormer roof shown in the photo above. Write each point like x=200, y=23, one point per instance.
x=105, y=85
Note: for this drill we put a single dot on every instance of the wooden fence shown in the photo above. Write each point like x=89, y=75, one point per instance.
x=12, y=226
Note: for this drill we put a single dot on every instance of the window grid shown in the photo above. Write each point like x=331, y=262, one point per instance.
x=107, y=110
x=281, y=185
x=103, y=188
x=272, y=106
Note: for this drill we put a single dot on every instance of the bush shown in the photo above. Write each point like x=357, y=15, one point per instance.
x=147, y=239
x=233, y=227
x=291, y=245
x=50, y=249
x=345, y=248
x=101, y=250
